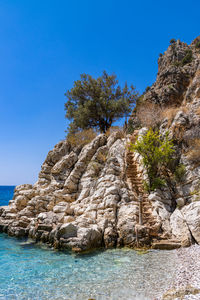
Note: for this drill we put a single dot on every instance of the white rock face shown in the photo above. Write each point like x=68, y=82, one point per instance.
x=191, y=214
x=67, y=230
x=80, y=200
x=180, y=228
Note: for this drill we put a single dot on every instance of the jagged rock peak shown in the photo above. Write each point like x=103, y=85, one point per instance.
x=176, y=67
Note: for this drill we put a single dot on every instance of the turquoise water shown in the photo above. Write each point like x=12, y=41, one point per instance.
x=29, y=271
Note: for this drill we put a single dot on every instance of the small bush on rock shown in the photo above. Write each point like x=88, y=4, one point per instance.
x=147, y=89
x=157, y=183
x=179, y=173
x=197, y=45
x=157, y=152
x=96, y=168
x=188, y=57
x=172, y=41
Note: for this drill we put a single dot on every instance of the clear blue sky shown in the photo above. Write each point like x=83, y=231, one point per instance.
x=46, y=45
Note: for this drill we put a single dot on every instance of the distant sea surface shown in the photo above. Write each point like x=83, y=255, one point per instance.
x=6, y=194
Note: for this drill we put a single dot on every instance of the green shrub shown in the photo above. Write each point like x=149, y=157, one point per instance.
x=176, y=63
x=147, y=89
x=146, y=186
x=157, y=152
x=179, y=173
x=187, y=58
x=172, y=41
x=197, y=45
x=157, y=183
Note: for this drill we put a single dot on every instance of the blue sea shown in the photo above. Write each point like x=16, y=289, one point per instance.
x=33, y=271
x=6, y=194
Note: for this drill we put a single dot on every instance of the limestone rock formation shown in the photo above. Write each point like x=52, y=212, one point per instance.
x=80, y=200
x=89, y=197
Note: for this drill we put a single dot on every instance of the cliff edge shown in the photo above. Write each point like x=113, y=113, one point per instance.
x=93, y=196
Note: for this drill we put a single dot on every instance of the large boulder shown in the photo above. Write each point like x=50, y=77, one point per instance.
x=67, y=230
x=180, y=228
x=191, y=214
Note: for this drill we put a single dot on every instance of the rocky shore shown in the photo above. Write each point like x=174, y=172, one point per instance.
x=187, y=279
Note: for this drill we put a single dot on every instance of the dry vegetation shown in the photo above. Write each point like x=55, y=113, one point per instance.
x=193, y=154
x=149, y=114
x=197, y=112
x=81, y=138
x=113, y=129
x=84, y=137
x=170, y=113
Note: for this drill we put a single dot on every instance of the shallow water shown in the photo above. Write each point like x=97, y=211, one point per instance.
x=29, y=271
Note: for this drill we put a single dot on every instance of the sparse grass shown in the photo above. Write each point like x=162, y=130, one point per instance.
x=198, y=111
x=193, y=155
x=170, y=113
x=101, y=157
x=195, y=192
x=96, y=168
x=97, y=164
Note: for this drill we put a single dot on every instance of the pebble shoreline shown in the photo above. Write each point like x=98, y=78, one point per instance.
x=187, y=273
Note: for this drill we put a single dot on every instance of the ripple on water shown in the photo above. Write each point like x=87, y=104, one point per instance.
x=34, y=272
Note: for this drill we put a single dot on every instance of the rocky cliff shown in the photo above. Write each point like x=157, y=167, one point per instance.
x=92, y=196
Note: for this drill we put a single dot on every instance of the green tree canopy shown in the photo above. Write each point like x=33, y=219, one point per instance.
x=97, y=103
